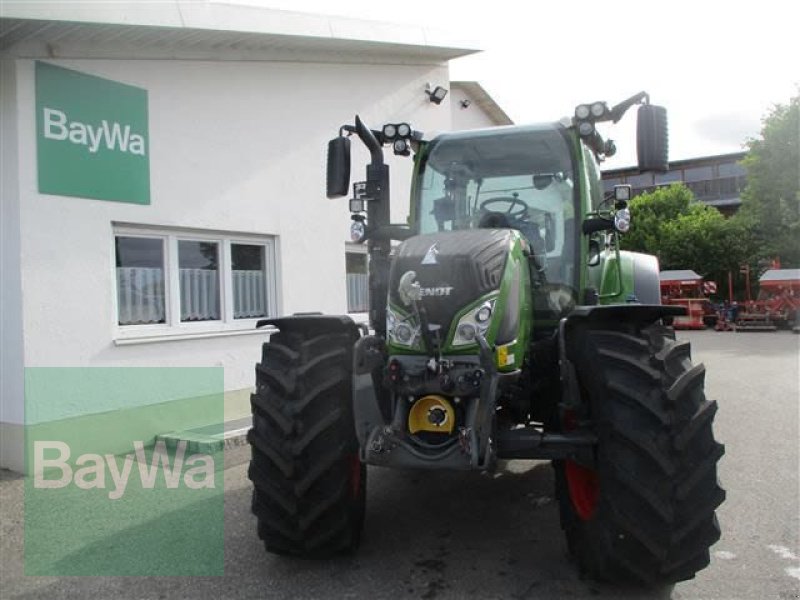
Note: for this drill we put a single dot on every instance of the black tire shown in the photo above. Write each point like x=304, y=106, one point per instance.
x=309, y=486
x=653, y=513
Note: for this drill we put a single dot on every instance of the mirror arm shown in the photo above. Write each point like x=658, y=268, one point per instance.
x=620, y=109
x=594, y=224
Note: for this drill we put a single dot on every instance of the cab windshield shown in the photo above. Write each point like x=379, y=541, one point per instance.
x=520, y=178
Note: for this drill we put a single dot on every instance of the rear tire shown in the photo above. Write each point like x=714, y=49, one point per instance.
x=645, y=513
x=309, y=485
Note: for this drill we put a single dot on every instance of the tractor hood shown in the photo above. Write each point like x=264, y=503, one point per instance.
x=453, y=269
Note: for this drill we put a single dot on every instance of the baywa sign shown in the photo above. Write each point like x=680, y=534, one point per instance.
x=92, y=136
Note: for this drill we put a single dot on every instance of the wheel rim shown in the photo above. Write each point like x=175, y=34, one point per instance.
x=584, y=489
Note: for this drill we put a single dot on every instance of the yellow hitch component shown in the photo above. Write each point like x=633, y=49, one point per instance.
x=431, y=413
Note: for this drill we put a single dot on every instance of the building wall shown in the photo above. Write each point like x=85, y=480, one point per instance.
x=11, y=336
x=471, y=117
x=235, y=147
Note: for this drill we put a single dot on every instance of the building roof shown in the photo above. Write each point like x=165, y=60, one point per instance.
x=483, y=100
x=206, y=29
x=778, y=275
x=680, y=275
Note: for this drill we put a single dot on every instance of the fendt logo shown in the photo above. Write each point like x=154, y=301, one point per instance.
x=112, y=136
x=442, y=290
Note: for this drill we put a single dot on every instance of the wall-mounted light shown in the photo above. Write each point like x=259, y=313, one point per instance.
x=437, y=94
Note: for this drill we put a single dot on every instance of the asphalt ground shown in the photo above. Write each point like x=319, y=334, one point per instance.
x=453, y=535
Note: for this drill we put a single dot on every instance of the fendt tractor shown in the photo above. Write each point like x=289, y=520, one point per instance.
x=504, y=323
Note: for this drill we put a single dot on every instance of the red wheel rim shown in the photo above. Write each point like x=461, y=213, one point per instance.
x=584, y=489
x=355, y=475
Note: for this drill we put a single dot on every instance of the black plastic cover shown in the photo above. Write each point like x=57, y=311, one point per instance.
x=338, y=183
x=652, y=140
x=468, y=264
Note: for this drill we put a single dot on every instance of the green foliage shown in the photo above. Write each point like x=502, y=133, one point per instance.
x=649, y=214
x=771, y=201
x=703, y=240
x=687, y=234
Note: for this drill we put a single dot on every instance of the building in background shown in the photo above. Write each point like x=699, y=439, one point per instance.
x=163, y=178
x=715, y=180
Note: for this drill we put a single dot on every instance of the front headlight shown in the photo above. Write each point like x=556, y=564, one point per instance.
x=402, y=329
x=474, y=322
x=622, y=220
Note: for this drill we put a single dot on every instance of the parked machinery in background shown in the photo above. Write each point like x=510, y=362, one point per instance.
x=777, y=305
x=688, y=289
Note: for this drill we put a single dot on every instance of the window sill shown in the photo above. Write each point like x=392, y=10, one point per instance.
x=175, y=337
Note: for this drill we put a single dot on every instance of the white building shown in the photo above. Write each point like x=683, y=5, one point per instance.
x=163, y=177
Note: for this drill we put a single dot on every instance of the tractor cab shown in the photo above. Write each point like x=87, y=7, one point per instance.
x=520, y=178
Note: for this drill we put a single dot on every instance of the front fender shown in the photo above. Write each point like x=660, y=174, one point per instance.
x=639, y=314
x=638, y=279
x=314, y=322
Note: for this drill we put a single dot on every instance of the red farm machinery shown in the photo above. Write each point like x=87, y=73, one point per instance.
x=688, y=289
x=777, y=305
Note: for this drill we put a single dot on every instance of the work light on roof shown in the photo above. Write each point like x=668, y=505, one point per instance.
x=401, y=147
x=598, y=109
x=585, y=128
x=582, y=111
x=389, y=131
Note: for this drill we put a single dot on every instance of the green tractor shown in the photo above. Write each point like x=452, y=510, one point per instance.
x=505, y=323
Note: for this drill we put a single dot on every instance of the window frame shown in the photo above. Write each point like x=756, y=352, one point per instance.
x=173, y=327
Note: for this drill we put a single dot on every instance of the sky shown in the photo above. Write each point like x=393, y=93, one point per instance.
x=717, y=66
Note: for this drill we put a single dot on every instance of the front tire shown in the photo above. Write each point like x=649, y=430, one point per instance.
x=309, y=485
x=645, y=511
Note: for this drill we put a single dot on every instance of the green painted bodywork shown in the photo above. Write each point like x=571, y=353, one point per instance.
x=613, y=277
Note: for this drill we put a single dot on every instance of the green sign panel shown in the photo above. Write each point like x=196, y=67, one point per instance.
x=91, y=136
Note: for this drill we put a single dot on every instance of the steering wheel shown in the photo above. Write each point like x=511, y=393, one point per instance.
x=520, y=213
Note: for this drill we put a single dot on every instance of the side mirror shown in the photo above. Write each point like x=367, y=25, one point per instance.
x=338, y=183
x=652, y=141
x=541, y=182
x=593, y=259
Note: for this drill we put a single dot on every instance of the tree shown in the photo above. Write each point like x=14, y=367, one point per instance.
x=771, y=200
x=686, y=234
x=649, y=213
x=703, y=240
